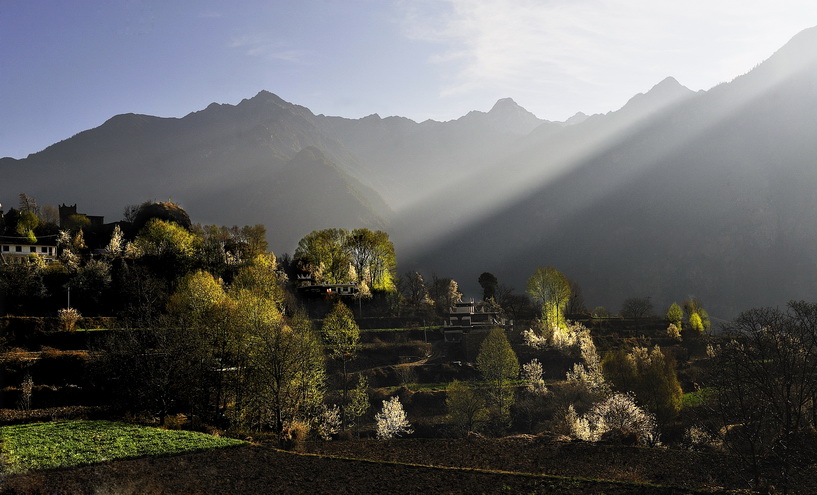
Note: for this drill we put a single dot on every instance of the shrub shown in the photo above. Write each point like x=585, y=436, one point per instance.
x=175, y=421
x=294, y=435
x=674, y=332
x=26, y=388
x=329, y=422
x=697, y=438
x=68, y=318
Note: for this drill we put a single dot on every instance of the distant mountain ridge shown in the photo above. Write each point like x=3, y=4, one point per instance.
x=677, y=193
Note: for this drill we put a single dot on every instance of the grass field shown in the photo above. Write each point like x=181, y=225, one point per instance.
x=73, y=443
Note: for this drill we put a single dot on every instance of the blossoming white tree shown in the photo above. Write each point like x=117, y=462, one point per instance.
x=532, y=376
x=391, y=420
x=618, y=411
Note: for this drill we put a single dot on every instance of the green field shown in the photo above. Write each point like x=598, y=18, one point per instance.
x=73, y=443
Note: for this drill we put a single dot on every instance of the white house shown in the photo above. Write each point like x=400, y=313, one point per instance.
x=13, y=250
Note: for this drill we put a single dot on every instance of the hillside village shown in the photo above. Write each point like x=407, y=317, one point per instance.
x=157, y=321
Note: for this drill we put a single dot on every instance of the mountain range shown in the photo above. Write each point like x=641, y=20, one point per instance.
x=677, y=194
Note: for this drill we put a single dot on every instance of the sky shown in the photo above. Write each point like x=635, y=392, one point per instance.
x=67, y=66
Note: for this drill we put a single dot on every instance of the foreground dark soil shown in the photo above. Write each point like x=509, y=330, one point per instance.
x=545, y=455
x=263, y=469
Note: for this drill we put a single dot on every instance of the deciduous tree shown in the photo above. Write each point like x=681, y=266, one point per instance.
x=498, y=365
x=765, y=381
x=342, y=337
x=636, y=308
x=391, y=420
x=489, y=284
x=549, y=288
x=466, y=406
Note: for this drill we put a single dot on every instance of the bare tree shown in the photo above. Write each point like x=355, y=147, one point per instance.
x=765, y=380
x=637, y=308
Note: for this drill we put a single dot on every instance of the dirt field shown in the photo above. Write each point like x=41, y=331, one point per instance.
x=260, y=469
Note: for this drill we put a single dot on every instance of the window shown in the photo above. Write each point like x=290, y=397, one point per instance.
x=18, y=249
x=5, y=248
x=43, y=249
x=32, y=249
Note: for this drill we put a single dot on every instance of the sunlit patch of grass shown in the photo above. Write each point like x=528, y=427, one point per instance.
x=72, y=443
x=697, y=398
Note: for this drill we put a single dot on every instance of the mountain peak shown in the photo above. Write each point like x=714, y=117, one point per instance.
x=508, y=116
x=506, y=104
x=668, y=83
x=577, y=118
x=664, y=94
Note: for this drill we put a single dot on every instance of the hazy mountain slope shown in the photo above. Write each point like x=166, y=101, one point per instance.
x=541, y=157
x=713, y=197
x=409, y=161
x=307, y=193
x=225, y=164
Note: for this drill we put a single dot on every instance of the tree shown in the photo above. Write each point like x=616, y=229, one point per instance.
x=168, y=247
x=90, y=282
x=695, y=322
x=649, y=374
x=26, y=223
x=618, y=412
x=444, y=292
x=466, y=406
x=23, y=286
x=372, y=255
x=549, y=288
x=150, y=369
x=415, y=295
x=575, y=304
x=342, y=337
x=391, y=420
x=76, y=222
x=636, y=308
x=600, y=312
x=260, y=274
x=675, y=314
x=116, y=246
x=285, y=368
x=322, y=254
x=201, y=309
x=498, y=365
x=693, y=306
x=358, y=399
x=489, y=284
x=532, y=375
x=765, y=383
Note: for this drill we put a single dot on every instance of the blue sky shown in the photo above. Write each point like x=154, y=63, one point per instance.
x=67, y=66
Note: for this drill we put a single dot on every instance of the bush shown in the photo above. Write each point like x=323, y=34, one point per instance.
x=294, y=436
x=329, y=422
x=68, y=318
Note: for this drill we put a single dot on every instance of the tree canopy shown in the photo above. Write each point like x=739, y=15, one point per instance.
x=338, y=256
x=549, y=288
